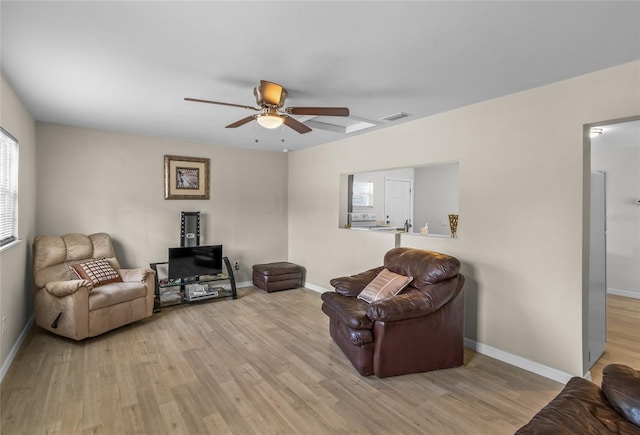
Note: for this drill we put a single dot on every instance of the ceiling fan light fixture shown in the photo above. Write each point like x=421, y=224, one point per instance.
x=270, y=98
x=269, y=120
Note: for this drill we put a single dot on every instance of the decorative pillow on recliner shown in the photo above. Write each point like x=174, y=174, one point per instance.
x=98, y=272
x=383, y=286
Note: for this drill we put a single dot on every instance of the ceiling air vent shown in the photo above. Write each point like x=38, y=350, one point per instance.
x=396, y=116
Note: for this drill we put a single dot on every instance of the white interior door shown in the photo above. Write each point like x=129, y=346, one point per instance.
x=397, y=202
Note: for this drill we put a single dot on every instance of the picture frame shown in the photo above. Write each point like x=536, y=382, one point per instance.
x=186, y=177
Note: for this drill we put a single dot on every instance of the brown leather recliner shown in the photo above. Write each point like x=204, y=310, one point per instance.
x=418, y=330
x=77, y=308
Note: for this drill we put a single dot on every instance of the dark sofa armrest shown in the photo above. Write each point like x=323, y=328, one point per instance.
x=414, y=302
x=621, y=386
x=354, y=284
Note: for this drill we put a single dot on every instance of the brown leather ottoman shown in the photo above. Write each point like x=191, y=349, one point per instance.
x=272, y=277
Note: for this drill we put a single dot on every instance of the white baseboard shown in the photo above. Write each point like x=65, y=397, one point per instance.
x=518, y=361
x=625, y=293
x=315, y=288
x=244, y=284
x=308, y=285
x=14, y=350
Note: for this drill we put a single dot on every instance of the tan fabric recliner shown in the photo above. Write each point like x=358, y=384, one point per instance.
x=74, y=308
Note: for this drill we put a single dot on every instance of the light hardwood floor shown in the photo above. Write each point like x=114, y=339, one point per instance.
x=623, y=335
x=261, y=364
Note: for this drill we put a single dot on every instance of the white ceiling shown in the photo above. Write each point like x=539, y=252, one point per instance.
x=126, y=66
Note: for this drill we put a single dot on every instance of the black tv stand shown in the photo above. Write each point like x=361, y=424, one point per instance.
x=193, y=289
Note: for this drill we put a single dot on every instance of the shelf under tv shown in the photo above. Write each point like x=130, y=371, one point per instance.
x=193, y=289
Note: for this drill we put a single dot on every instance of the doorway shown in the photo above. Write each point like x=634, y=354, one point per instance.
x=616, y=152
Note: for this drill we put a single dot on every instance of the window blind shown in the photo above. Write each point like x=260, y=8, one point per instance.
x=8, y=187
x=362, y=194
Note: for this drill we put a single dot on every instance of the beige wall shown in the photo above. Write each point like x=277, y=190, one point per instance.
x=91, y=181
x=521, y=186
x=16, y=302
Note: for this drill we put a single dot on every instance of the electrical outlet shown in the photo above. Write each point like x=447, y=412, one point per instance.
x=236, y=265
x=4, y=320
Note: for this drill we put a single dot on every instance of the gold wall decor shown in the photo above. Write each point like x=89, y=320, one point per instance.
x=186, y=178
x=453, y=224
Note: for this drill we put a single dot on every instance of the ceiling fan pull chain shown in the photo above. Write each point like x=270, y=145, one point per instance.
x=282, y=130
x=256, y=129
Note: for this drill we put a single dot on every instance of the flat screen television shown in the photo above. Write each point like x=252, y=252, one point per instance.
x=194, y=261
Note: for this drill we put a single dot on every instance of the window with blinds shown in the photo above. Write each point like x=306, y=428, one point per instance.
x=8, y=187
x=362, y=194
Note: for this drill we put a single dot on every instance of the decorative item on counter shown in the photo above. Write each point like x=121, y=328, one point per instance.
x=424, y=230
x=453, y=224
x=407, y=225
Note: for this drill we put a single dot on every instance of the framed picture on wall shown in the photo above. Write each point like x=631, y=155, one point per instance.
x=186, y=178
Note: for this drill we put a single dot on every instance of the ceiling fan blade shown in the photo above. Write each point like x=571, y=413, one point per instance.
x=243, y=121
x=197, y=100
x=321, y=111
x=272, y=93
x=296, y=125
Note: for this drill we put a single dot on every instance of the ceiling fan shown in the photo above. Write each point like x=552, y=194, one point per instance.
x=270, y=97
